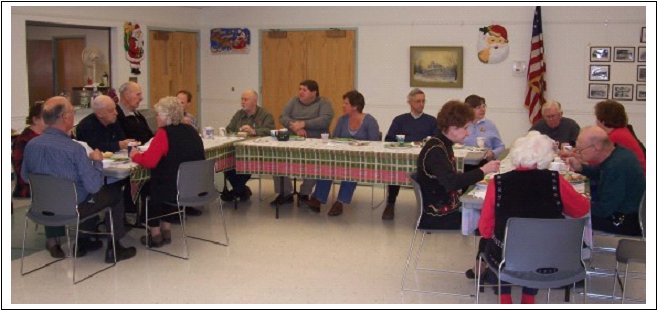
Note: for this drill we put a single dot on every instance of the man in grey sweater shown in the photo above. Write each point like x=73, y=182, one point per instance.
x=307, y=115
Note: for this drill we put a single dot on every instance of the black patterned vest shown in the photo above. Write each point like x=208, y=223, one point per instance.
x=526, y=194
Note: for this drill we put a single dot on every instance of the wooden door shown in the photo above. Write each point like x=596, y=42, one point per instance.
x=69, y=70
x=40, y=70
x=172, y=65
x=289, y=57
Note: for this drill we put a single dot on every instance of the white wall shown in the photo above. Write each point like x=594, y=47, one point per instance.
x=384, y=35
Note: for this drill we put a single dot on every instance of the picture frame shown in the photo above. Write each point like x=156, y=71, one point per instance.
x=624, y=54
x=622, y=92
x=599, y=72
x=438, y=67
x=598, y=90
x=641, y=73
x=642, y=54
x=599, y=54
x=641, y=92
x=643, y=35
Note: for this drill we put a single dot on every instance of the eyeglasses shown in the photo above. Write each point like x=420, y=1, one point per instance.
x=579, y=150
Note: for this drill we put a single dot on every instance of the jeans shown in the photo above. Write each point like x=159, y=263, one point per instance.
x=345, y=193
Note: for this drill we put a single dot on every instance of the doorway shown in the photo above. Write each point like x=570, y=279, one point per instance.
x=289, y=57
x=173, y=59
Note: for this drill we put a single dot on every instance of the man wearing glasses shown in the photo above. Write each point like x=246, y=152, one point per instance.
x=617, y=181
x=556, y=127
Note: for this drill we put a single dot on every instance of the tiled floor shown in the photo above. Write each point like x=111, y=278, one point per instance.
x=301, y=258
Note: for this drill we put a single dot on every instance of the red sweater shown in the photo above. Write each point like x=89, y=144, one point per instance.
x=157, y=149
x=575, y=205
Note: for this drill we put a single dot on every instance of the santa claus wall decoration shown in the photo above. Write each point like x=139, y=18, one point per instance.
x=493, y=45
x=133, y=43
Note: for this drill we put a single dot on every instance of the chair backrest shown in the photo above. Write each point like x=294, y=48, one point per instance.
x=196, y=180
x=54, y=200
x=532, y=244
x=419, y=195
x=642, y=213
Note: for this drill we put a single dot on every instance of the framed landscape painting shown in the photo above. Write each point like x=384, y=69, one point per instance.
x=440, y=67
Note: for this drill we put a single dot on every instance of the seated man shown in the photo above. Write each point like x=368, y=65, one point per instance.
x=101, y=131
x=55, y=153
x=617, y=181
x=185, y=98
x=254, y=120
x=556, y=127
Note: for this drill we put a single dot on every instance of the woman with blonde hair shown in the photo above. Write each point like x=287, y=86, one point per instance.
x=174, y=142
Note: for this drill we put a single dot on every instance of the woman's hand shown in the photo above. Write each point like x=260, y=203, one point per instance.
x=492, y=166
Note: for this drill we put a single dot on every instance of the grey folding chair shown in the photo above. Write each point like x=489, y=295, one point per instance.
x=630, y=251
x=419, y=202
x=541, y=253
x=54, y=203
x=196, y=187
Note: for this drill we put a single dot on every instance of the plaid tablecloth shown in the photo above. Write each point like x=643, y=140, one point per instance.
x=219, y=148
x=310, y=158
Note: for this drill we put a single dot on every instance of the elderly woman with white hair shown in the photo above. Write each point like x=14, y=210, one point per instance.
x=174, y=143
x=528, y=191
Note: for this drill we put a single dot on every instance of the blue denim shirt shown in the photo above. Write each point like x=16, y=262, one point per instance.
x=55, y=153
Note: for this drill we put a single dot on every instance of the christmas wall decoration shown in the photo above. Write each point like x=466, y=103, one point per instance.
x=230, y=40
x=133, y=43
x=493, y=45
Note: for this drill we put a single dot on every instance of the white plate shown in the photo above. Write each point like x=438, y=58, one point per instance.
x=398, y=146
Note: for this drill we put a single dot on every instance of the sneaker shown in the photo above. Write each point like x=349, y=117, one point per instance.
x=123, y=253
x=313, y=203
x=281, y=200
x=389, y=212
x=191, y=211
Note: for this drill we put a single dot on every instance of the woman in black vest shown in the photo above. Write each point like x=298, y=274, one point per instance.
x=174, y=143
x=439, y=180
x=528, y=191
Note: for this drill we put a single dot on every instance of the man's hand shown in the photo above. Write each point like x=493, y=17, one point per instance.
x=489, y=155
x=575, y=164
x=248, y=129
x=124, y=143
x=96, y=155
x=296, y=125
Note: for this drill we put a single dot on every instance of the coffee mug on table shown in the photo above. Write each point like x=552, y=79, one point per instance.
x=209, y=132
x=222, y=131
x=480, y=142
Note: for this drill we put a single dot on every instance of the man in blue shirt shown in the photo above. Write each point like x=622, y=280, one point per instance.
x=55, y=153
x=415, y=126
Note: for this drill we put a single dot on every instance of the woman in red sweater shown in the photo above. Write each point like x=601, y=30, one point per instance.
x=611, y=117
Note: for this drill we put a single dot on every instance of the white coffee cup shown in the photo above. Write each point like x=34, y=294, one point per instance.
x=400, y=138
x=273, y=133
x=325, y=137
x=209, y=132
x=222, y=131
x=480, y=142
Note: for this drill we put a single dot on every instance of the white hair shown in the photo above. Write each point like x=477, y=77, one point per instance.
x=170, y=108
x=532, y=150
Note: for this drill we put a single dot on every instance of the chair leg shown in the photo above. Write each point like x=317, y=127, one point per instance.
x=406, y=267
x=614, y=282
x=111, y=233
x=623, y=287
x=74, y=257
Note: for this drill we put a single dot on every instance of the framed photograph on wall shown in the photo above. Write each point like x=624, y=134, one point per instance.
x=641, y=73
x=599, y=72
x=641, y=54
x=622, y=92
x=598, y=90
x=599, y=54
x=643, y=35
x=641, y=92
x=439, y=67
x=624, y=54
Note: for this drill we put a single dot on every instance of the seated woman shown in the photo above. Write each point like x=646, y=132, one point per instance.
x=174, y=143
x=611, y=117
x=353, y=124
x=483, y=128
x=439, y=180
x=508, y=195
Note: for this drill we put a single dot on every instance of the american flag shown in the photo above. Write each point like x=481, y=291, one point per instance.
x=536, y=69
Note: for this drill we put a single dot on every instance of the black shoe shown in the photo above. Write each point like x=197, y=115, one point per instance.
x=228, y=196
x=281, y=200
x=191, y=211
x=123, y=253
x=389, y=212
x=90, y=245
x=244, y=195
x=470, y=274
x=303, y=198
x=56, y=251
